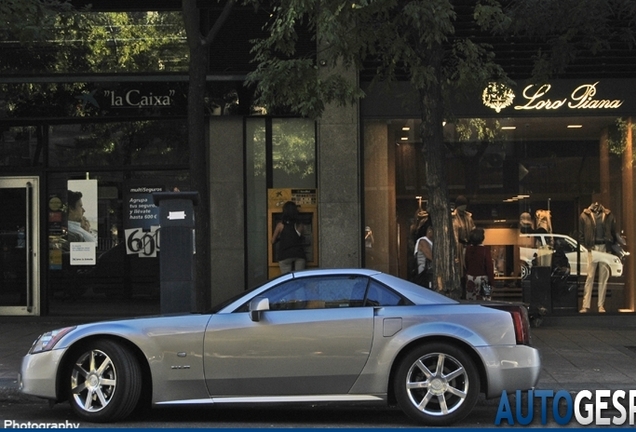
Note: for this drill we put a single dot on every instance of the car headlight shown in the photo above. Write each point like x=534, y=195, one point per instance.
x=48, y=340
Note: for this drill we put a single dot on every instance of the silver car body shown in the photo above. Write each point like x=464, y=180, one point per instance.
x=535, y=241
x=336, y=354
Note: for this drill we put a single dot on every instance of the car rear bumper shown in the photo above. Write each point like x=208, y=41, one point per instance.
x=510, y=368
x=38, y=374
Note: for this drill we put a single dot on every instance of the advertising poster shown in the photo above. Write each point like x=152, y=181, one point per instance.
x=141, y=221
x=81, y=198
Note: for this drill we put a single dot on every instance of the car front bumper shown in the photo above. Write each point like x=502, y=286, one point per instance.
x=38, y=374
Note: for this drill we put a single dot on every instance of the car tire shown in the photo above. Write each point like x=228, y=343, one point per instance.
x=103, y=381
x=436, y=384
x=525, y=270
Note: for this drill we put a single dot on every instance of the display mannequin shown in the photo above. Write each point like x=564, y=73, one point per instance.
x=462, y=226
x=544, y=221
x=597, y=231
x=526, y=225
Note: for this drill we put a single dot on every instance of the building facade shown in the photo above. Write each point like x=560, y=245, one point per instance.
x=117, y=134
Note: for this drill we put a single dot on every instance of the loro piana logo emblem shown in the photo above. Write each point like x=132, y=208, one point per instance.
x=497, y=96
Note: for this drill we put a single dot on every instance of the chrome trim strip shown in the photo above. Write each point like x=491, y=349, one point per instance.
x=275, y=399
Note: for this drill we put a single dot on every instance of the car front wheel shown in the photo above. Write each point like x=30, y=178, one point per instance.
x=436, y=384
x=104, y=381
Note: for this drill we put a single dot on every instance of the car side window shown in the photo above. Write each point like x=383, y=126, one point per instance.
x=564, y=245
x=379, y=295
x=317, y=293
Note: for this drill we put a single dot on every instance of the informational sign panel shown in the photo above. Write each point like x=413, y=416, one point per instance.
x=141, y=221
x=83, y=253
x=82, y=221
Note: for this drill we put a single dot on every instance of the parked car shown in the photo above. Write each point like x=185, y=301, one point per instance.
x=532, y=246
x=315, y=336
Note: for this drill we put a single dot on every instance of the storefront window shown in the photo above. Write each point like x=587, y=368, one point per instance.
x=127, y=248
x=105, y=173
x=294, y=153
x=134, y=143
x=280, y=154
x=519, y=175
x=21, y=146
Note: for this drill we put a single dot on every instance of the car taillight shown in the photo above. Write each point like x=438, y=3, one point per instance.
x=520, y=320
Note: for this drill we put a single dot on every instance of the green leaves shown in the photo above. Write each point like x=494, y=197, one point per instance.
x=52, y=37
x=398, y=37
x=297, y=85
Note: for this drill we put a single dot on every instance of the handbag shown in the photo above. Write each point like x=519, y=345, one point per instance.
x=425, y=277
x=486, y=288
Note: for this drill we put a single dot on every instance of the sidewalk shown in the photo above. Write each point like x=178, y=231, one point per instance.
x=578, y=352
x=587, y=352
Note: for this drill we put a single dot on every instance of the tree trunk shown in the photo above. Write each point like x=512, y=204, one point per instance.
x=199, y=176
x=447, y=275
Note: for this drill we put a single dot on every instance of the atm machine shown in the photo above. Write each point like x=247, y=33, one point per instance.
x=305, y=199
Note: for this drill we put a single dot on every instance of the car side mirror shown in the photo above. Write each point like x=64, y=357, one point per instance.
x=258, y=305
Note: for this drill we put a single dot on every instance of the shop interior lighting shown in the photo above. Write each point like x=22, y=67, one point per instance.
x=508, y=127
x=575, y=126
x=516, y=198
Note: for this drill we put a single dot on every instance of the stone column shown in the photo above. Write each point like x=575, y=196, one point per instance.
x=227, y=225
x=340, y=232
x=628, y=217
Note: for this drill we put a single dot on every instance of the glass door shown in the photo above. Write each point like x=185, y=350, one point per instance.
x=19, y=240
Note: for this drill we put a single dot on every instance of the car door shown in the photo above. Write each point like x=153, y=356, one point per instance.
x=315, y=339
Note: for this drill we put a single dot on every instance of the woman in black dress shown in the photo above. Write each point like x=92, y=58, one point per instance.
x=289, y=235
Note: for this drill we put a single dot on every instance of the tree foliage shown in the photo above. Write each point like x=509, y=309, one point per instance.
x=568, y=29
x=27, y=18
x=85, y=41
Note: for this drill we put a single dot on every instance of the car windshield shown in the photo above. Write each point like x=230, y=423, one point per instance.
x=221, y=305
x=224, y=303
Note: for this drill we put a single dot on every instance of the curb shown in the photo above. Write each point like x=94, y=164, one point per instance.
x=10, y=393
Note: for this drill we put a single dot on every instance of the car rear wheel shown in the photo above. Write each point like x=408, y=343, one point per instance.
x=436, y=384
x=525, y=270
x=104, y=381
